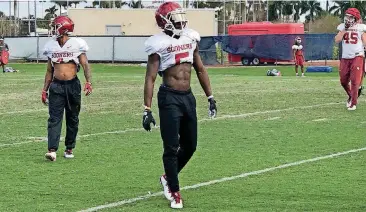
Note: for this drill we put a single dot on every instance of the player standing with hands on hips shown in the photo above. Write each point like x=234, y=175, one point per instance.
x=64, y=56
x=172, y=53
x=353, y=38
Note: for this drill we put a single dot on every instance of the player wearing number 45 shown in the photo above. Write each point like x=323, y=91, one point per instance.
x=172, y=53
x=352, y=35
x=64, y=56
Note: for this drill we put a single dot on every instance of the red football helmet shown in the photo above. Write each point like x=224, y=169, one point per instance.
x=170, y=16
x=352, y=16
x=62, y=25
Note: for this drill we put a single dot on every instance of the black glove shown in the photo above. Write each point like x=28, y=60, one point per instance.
x=147, y=119
x=212, y=109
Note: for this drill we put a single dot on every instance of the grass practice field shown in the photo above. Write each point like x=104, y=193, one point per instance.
x=278, y=144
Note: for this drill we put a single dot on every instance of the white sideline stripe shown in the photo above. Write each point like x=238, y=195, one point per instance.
x=273, y=118
x=323, y=119
x=201, y=120
x=268, y=111
x=24, y=111
x=83, y=107
x=127, y=101
x=39, y=139
x=14, y=144
x=225, y=179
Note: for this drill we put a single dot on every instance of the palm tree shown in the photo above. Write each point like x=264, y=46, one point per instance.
x=339, y=8
x=76, y=2
x=60, y=4
x=108, y=4
x=275, y=10
x=50, y=13
x=137, y=4
x=287, y=10
x=297, y=9
x=314, y=10
x=360, y=5
x=16, y=9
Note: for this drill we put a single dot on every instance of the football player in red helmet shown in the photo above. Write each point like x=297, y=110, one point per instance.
x=298, y=53
x=352, y=35
x=172, y=53
x=4, y=48
x=62, y=89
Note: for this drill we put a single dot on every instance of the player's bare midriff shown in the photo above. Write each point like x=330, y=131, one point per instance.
x=65, y=71
x=178, y=77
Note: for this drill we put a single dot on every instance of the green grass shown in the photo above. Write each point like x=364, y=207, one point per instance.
x=277, y=128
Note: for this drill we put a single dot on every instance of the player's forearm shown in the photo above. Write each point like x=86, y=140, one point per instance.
x=205, y=82
x=47, y=80
x=87, y=72
x=339, y=37
x=148, y=92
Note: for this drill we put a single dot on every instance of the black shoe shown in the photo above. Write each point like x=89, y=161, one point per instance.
x=360, y=91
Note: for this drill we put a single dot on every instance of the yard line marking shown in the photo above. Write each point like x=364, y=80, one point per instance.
x=273, y=118
x=127, y=101
x=23, y=111
x=83, y=107
x=225, y=179
x=14, y=144
x=201, y=120
x=322, y=119
x=113, y=132
x=271, y=111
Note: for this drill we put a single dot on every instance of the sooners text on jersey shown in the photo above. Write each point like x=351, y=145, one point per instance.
x=70, y=51
x=173, y=51
x=352, y=45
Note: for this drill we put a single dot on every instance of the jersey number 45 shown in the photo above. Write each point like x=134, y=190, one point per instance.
x=350, y=37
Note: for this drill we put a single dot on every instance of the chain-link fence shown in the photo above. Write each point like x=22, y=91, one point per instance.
x=13, y=22
x=17, y=18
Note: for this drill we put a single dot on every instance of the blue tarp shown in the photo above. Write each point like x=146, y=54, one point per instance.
x=316, y=46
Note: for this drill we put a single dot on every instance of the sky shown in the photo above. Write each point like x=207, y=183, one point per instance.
x=40, y=7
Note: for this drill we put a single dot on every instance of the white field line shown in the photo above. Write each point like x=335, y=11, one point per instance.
x=35, y=138
x=141, y=99
x=225, y=179
x=269, y=111
x=318, y=120
x=15, y=144
x=231, y=85
x=273, y=118
x=22, y=79
x=83, y=107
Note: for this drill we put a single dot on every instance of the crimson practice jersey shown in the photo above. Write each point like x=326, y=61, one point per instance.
x=71, y=50
x=173, y=51
x=352, y=41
